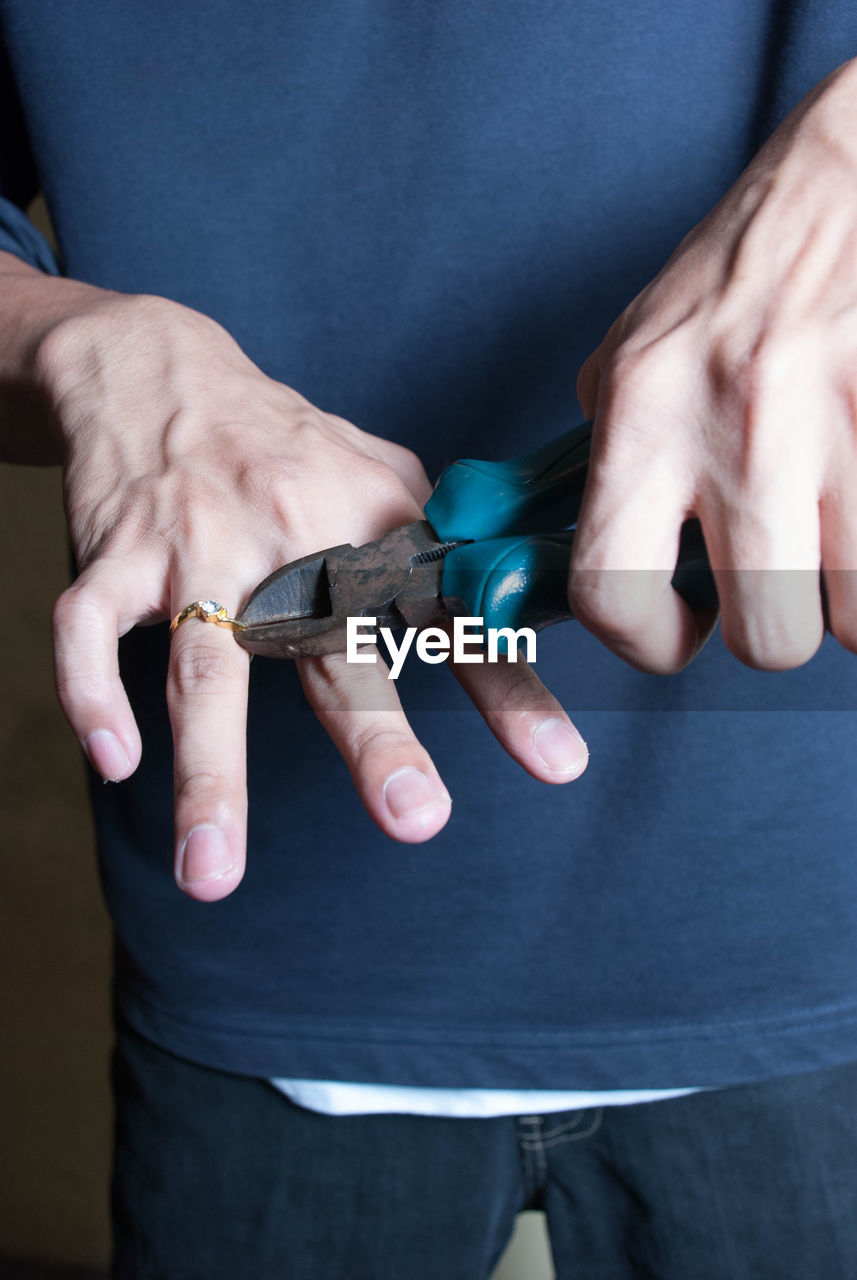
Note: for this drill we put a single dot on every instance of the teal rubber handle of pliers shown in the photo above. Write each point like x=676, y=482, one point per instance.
x=532, y=493
x=514, y=582
x=513, y=570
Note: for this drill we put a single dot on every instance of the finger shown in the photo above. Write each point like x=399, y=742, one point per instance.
x=525, y=718
x=624, y=557
x=207, y=699
x=588, y=380
x=839, y=563
x=765, y=555
x=87, y=620
x=394, y=775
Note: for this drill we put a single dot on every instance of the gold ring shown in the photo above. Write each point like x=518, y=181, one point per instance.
x=206, y=611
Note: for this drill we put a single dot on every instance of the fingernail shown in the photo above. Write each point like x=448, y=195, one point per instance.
x=560, y=746
x=107, y=755
x=205, y=855
x=407, y=790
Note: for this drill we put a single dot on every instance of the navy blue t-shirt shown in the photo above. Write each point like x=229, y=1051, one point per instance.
x=423, y=217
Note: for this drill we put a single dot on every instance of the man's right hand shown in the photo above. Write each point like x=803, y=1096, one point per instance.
x=190, y=474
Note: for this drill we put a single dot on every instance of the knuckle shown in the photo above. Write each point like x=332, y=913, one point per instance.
x=305, y=423
x=64, y=611
x=769, y=648
x=78, y=689
x=282, y=481
x=378, y=740
x=78, y=607
x=284, y=400
x=627, y=363
x=839, y=596
x=520, y=688
x=411, y=467
x=200, y=667
x=637, y=386
x=846, y=633
x=639, y=370
x=376, y=474
x=324, y=675
x=199, y=779
x=378, y=489
x=407, y=457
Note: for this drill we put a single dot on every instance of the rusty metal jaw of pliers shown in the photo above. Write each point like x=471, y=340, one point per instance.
x=302, y=609
x=495, y=545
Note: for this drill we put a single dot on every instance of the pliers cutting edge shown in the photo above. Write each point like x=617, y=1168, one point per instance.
x=495, y=545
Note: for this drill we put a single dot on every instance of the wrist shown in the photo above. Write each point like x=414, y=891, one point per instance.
x=34, y=305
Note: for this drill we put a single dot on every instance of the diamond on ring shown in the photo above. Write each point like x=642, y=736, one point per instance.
x=210, y=608
x=206, y=611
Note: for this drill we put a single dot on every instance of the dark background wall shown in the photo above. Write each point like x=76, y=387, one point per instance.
x=54, y=934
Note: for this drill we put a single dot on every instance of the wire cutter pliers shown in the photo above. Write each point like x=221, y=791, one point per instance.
x=495, y=545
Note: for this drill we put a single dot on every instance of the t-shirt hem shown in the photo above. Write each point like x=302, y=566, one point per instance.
x=674, y=1056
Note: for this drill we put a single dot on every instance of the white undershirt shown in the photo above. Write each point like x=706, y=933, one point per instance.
x=337, y=1099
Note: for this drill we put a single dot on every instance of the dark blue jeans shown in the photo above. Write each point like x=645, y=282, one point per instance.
x=219, y=1177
